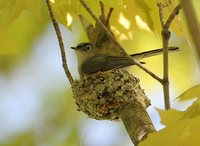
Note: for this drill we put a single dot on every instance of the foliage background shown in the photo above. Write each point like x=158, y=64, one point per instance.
x=36, y=105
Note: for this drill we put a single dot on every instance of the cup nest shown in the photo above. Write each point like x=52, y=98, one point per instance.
x=103, y=94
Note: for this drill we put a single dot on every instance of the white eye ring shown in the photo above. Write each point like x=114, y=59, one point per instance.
x=88, y=48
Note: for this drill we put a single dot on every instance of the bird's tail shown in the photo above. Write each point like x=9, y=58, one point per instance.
x=151, y=53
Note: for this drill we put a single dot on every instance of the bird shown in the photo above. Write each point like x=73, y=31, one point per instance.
x=91, y=59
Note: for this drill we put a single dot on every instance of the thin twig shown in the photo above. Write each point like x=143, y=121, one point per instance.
x=146, y=70
x=166, y=37
x=160, y=8
x=61, y=44
x=108, y=17
x=117, y=43
x=193, y=24
x=172, y=15
x=102, y=8
x=167, y=3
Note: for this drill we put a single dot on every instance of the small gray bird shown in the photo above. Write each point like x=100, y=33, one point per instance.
x=91, y=59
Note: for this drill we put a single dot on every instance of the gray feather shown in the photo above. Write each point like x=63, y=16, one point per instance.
x=151, y=53
x=104, y=62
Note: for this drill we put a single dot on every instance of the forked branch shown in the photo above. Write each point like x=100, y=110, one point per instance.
x=165, y=39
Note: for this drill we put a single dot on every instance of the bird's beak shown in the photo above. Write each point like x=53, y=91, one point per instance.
x=74, y=48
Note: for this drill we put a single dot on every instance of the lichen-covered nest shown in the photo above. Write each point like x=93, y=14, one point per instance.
x=101, y=95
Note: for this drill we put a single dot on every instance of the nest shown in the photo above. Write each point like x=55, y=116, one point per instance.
x=103, y=94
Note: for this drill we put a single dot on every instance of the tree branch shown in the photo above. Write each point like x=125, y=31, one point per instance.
x=166, y=37
x=139, y=125
x=61, y=44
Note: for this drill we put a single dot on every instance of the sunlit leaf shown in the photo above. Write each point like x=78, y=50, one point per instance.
x=20, y=23
x=190, y=93
x=62, y=8
x=193, y=111
x=196, y=4
x=170, y=116
x=6, y=47
x=10, y=10
x=181, y=133
x=182, y=128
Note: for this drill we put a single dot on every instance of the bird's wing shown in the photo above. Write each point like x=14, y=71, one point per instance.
x=105, y=62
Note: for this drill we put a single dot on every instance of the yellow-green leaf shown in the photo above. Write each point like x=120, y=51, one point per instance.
x=193, y=111
x=67, y=10
x=182, y=133
x=19, y=25
x=190, y=93
x=170, y=116
x=182, y=128
x=11, y=9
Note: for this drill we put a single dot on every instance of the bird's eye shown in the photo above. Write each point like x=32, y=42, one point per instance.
x=88, y=48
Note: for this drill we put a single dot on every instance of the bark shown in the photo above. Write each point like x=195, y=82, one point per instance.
x=137, y=121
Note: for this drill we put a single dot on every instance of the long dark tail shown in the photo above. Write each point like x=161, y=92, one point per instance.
x=151, y=53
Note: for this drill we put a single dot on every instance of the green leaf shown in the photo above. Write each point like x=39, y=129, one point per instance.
x=193, y=111
x=21, y=21
x=196, y=4
x=170, y=116
x=182, y=133
x=182, y=128
x=11, y=9
x=64, y=8
x=190, y=93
